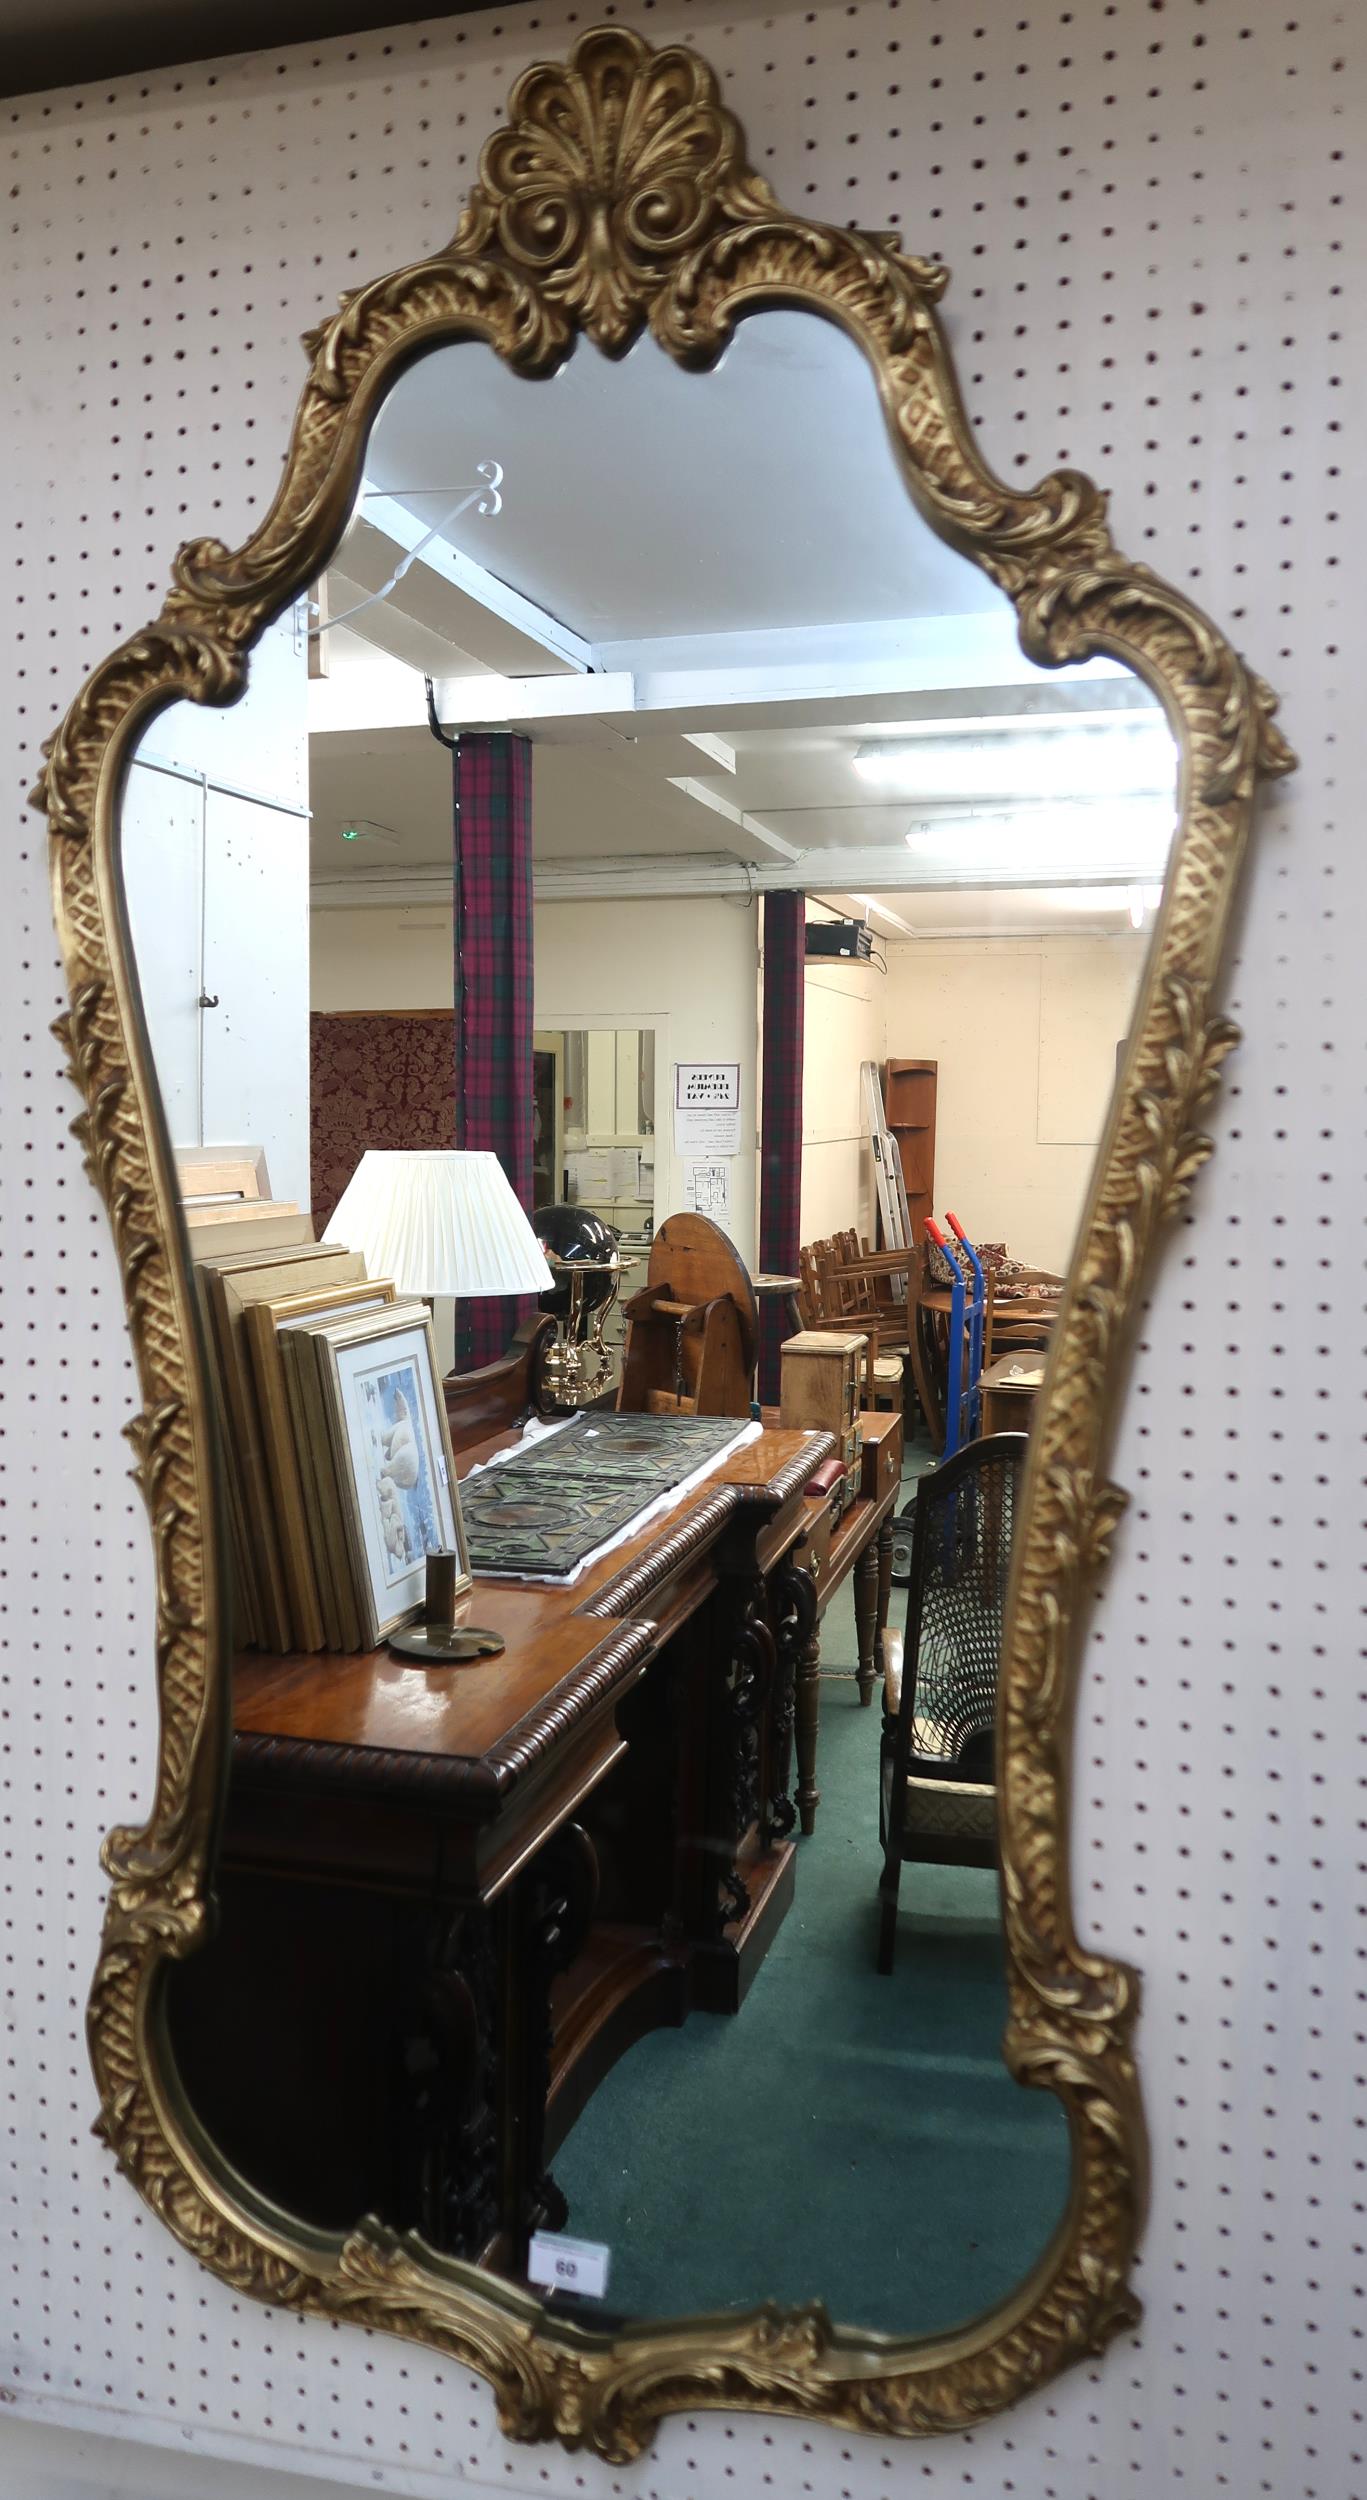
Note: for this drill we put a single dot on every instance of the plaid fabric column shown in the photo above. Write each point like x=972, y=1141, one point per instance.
x=780, y=1151
x=493, y=992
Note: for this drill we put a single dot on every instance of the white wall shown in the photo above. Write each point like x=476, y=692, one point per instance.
x=216, y=852
x=689, y=969
x=1202, y=260
x=377, y=959
x=845, y=1024
x=1025, y=1032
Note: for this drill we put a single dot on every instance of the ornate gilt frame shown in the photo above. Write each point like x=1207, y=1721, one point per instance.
x=616, y=196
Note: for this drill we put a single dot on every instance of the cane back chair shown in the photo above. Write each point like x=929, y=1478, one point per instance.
x=938, y=1800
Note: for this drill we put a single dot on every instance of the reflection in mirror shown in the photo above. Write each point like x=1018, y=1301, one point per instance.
x=698, y=651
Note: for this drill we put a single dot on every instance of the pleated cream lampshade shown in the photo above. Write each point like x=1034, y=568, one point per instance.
x=439, y=1224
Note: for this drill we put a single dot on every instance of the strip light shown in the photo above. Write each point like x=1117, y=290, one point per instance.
x=1133, y=762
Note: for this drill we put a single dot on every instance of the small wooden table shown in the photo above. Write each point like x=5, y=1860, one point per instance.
x=832, y=1548
x=1008, y=1401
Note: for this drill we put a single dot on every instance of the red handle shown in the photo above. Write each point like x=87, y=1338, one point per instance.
x=956, y=1227
x=935, y=1233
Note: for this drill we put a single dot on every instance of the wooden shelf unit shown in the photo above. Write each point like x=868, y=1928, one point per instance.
x=909, y=1091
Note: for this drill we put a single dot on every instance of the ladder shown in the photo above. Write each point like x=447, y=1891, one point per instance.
x=887, y=1163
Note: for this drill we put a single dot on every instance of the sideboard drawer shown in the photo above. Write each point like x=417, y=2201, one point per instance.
x=882, y=1455
x=812, y=1552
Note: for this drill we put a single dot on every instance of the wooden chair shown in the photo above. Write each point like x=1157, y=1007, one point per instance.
x=836, y=1297
x=938, y=1797
x=1013, y=1326
x=903, y=1323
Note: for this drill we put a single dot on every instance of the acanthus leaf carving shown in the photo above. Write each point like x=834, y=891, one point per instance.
x=610, y=170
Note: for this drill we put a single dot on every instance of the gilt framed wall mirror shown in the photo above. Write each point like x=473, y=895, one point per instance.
x=678, y=2002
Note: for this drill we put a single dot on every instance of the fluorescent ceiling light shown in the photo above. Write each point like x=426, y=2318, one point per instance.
x=1127, y=834
x=1125, y=760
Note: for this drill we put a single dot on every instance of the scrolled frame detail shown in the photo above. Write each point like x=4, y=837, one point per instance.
x=617, y=197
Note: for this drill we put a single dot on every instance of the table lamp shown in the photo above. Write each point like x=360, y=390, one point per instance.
x=440, y=1223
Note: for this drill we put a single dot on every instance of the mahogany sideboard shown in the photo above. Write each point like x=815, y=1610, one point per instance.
x=451, y=1898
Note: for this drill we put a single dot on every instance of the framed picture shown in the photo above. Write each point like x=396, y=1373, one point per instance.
x=308, y=1583
x=392, y=1451
x=229, y=1287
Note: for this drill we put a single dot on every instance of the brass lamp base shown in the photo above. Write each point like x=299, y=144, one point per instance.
x=445, y=1644
x=439, y=1641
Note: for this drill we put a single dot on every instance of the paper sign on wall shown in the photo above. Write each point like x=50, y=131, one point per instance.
x=707, y=1189
x=707, y=1107
x=590, y=1171
x=604, y=1172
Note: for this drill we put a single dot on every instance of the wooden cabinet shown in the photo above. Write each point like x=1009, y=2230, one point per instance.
x=820, y=1383
x=909, y=1091
x=819, y=1392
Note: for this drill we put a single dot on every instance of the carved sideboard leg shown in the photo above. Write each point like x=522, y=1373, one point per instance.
x=736, y=1799
x=742, y=1878
x=866, y=1579
x=555, y=1902
x=794, y=1624
x=451, y=2063
x=808, y=1714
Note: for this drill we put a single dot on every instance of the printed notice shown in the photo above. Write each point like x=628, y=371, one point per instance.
x=706, y=1107
x=707, y=1189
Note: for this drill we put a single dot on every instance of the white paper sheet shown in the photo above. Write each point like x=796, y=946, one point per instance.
x=707, y=1107
x=707, y=1189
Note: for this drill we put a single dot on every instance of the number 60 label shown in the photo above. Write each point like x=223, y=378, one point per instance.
x=566, y=2265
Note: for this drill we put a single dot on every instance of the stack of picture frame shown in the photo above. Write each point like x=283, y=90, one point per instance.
x=338, y=1466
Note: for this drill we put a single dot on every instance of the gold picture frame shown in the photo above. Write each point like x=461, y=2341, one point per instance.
x=616, y=196
x=313, y=1451
x=230, y=1286
x=329, y=1342
x=264, y=1321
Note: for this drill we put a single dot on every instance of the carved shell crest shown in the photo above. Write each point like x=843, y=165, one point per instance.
x=611, y=167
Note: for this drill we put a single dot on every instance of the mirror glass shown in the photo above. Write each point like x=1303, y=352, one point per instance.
x=741, y=665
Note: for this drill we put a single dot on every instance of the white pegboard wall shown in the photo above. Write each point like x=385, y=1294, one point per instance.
x=1152, y=213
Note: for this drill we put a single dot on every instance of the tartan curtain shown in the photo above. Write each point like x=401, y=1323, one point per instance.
x=780, y=1151
x=493, y=992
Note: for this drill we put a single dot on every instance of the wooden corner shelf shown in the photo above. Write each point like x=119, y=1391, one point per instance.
x=910, y=1087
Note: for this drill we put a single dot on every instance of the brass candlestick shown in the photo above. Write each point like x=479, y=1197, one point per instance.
x=439, y=1641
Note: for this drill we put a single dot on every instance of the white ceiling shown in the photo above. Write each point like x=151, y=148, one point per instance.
x=47, y=43
x=764, y=494
x=738, y=557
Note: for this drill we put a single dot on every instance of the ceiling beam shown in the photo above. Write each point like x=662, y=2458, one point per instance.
x=474, y=581
x=941, y=684
x=819, y=872
x=727, y=808
x=389, y=626
x=812, y=663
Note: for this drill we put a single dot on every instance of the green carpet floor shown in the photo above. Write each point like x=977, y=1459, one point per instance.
x=844, y=2137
